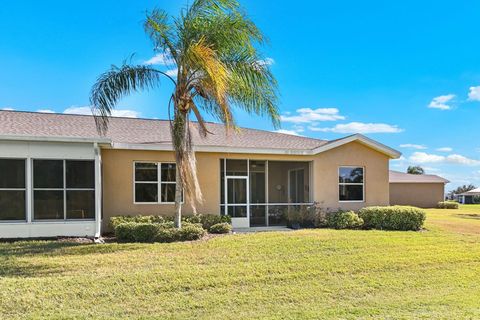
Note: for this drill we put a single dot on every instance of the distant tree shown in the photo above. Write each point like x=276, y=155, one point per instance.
x=415, y=170
x=461, y=189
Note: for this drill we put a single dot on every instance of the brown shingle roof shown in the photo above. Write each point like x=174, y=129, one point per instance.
x=143, y=131
x=401, y=177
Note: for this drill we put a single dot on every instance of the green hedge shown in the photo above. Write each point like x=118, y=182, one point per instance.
x=220, y=228
x=344, y=220
x=447, y=205
x=157, y=232
x=392, y=218
x=205, y=220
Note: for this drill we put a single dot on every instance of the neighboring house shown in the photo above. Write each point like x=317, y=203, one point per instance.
x=58, y=177
x=419, y=190
x=469, y=197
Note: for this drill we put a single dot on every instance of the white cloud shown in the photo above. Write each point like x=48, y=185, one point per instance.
x=445, y=149
x=422, y=157
x=266, y=62
x=291, y=132
x=413, y=146
x=86, y=110
x=308, y=115
x=162, y=59
x=8, y=109
x=459, y=159
x=442, y=102
x=359, y=127
x=474, y=94
x=45, y=111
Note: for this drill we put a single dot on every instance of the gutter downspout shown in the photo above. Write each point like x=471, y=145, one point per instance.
x=98, y=191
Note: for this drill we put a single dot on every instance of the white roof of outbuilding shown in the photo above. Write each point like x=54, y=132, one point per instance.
x=473, y=192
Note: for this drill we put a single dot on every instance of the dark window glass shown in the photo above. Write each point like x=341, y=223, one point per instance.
x=48, y=204
x=168, y=172
x=81, y=204
x=237, y=212
x=146, y=172
x=222, y=181
x=12, y=173
x=237, y=191
x=350, y=175
x=236, y=167
x=257, y=182
x=168, y=192
x=351, y=192
x=146, y=192
x=80, y=174
x=12, y=205
x=48, y=174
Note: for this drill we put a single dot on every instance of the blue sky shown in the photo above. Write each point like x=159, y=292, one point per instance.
x=406, y=73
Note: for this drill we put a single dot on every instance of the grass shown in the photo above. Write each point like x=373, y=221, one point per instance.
x=306, y=274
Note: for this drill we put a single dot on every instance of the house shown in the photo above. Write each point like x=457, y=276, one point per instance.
x=59, y=177
x=419, y=190
x=469, y=197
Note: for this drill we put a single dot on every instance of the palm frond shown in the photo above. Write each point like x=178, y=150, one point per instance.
x=160, y=32
x=112, y=85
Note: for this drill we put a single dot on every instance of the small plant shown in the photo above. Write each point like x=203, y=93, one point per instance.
x=344, y=220
x=392, y=218
x=157, y=232
x=220, y=228
x=447, y=205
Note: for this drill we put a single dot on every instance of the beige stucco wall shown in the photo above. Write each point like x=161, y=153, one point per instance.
x=423, y=195
x=118, y=178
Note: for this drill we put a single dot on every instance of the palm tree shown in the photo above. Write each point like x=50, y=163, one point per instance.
x=415, y=170
x=214, y=46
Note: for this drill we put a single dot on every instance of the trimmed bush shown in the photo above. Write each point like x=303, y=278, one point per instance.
x=157, y=232
x=125, y=232
x=392, y=218
x=204, y=220
x=447, y=205
x=190, y=232
x=344, y=220
x=208, y=220
x=220, y=228
x=115, y=221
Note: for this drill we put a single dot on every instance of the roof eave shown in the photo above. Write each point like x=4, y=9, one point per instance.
x=54, y=139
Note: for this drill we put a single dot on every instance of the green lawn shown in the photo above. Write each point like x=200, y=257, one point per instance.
x=307, y=274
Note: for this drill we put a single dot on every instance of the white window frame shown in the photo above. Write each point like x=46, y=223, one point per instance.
x=18, y=189
x=159, y=182
x=351, y=184
x=64, y=189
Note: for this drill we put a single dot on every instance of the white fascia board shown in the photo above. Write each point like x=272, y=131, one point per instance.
x=53, y=139
x=220, y=149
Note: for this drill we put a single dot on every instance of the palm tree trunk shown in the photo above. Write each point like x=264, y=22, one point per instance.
x=178, y=198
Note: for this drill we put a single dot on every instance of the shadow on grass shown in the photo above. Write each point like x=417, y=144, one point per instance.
x=474, y=216
x=15, y=257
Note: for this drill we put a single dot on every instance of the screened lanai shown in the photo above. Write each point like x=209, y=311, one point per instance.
x=258, y=193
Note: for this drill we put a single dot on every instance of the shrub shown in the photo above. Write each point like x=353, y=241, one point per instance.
x=124, y=232
x=447, y=205
x=344, y=220
x=157, y=232
x=392, y=218
x=145, y=232
x=208, y=220
x=220, y=228
x=115, y=221
x=190, y=232
x=167, y=235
